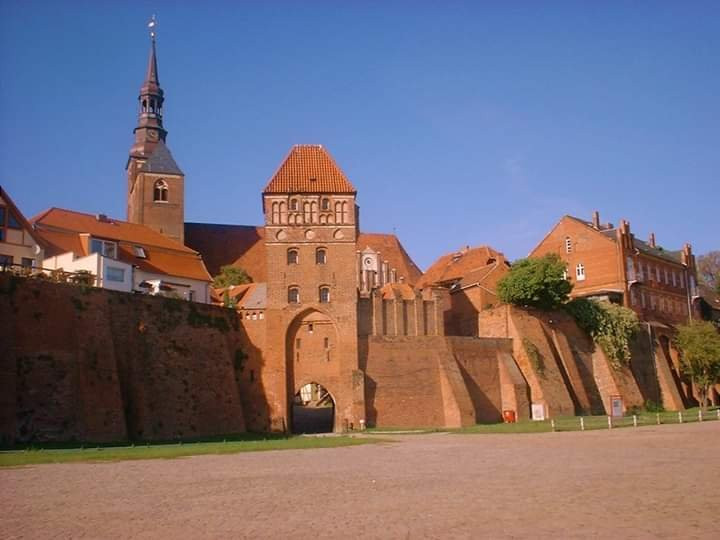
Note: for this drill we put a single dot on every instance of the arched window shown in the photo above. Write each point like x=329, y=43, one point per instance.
x=568, y=245
x=144, y=105
x=320, y=256
x=345, y=213
x=580, y=272
x=275, y=212
x=325, y=204
x=293, y=257
x=283, y=212
x=324, y=294
x=306, y=212
x=313, y=212
x=293, y=295
x=160, y=193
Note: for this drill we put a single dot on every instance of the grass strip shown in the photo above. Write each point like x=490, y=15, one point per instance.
x=35, y=456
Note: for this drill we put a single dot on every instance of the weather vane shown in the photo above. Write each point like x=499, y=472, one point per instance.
x=152, y=25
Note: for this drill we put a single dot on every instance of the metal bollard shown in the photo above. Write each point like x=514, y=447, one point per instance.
x=609, y=422
x=634, y=420
x=552, y=424
x=582, y=424
x=680, y=417
x=657, y=416
x=700, y=415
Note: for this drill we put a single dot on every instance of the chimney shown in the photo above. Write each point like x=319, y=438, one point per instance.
x=596, y=220
x=651, y=240
x=102, y=218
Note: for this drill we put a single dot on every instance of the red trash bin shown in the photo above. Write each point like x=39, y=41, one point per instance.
x=509, y=417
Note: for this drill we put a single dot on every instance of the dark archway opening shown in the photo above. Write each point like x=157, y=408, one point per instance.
x=313, y=410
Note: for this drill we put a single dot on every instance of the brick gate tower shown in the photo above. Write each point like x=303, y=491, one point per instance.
x=156, y=185
x=310, y=237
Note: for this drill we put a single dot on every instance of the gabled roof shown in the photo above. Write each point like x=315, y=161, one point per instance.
x=238, y=245
x=458, y=265
x=246, y=296
x=392, y=251
x=62, y=231
x=161, y=161
x=21, y=217
x=309, y=168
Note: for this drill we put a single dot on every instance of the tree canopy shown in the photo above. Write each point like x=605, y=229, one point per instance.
x=231, y=275
x=699, y=345
x=537, y=282
x=708, y=268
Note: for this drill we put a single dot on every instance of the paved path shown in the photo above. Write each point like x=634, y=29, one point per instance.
x=652, y=482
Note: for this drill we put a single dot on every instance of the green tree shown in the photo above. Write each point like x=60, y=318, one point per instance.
x=708, y=269
x=536, y=283
x=231, y=275
x=699, y=345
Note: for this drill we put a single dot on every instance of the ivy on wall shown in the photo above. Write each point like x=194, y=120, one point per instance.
x=610, y=325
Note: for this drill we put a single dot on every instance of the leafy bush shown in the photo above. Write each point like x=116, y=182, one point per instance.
x=231, y=275
x=610, y=325
x=536, y=283
x=535, y=356
x=699, y=344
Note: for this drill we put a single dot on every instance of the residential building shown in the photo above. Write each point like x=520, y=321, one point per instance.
x=604, y=261
x=121, y=256
x=20, y=245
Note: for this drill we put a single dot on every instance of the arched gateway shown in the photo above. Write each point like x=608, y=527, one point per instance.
x=312, y=373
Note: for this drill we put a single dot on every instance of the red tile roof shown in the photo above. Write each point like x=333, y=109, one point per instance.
x=309, y=168
x=458, y=265
x=239, y=245
x=62, y=229
x=391, y=250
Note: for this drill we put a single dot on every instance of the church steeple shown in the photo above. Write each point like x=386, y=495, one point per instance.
x=156, y=185
x=149, y=128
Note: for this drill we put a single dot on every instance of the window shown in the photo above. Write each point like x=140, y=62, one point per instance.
x=115, y=274
x=27, y=262
x=674, y=278
x=630, y=269
x=580, y=272
x=294, y=205
x=5, y=260
x=324, y=295
x=657, y=274
x=139, y=252
x=191, y=295
x=568, y=245
x=12, y=221
x=160, y=193
x=326, y=342
x=682, y=280
x=320, y=256
x=565, y=273
x=104, y=248
x=643, y=300
x=293, y=295
x=667, y=277
x=293, y=256
x=325, y=204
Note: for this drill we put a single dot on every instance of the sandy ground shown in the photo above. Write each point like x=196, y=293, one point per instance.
x=653, y=482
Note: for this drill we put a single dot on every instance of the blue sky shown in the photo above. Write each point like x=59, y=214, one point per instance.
x=458, y=122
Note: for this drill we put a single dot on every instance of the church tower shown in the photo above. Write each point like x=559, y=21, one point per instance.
x=156, y=185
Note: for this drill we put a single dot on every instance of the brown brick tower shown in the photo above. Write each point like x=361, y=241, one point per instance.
x=156, y=190
x=310, y=236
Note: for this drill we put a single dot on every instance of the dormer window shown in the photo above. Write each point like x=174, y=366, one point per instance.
x=105, y=248
x=160, y=191
x=139, y=252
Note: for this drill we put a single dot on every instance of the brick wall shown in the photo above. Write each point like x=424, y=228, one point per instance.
x=97, y=365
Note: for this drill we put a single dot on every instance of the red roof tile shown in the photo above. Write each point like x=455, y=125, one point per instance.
x=62, y=229
x=456, y=266
x=309, y=168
